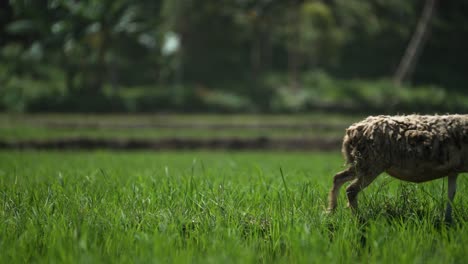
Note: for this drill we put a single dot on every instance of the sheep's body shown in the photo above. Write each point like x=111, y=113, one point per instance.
x=413, y=148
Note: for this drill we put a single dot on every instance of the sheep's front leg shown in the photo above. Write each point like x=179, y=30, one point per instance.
x=452, y=189
x=338, y=181
x=362, y=181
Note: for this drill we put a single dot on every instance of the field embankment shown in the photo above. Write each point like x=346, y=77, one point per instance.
x=177, y=132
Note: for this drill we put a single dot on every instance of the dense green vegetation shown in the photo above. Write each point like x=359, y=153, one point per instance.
x=205, y=207
x=231, y=56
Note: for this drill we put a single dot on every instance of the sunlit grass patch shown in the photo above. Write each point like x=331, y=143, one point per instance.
x=214, y=207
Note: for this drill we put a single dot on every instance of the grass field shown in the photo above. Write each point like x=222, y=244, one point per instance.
x=215, y=207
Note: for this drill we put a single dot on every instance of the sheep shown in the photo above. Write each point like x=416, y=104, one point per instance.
x=413, y=148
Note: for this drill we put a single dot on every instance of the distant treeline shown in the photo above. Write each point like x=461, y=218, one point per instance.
x=223, y=55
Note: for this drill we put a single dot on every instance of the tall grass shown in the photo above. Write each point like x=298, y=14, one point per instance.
x=212, y=207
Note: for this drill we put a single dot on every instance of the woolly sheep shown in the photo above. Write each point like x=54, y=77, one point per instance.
x=414, y=148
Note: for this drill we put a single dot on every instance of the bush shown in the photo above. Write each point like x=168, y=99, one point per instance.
x=18, y=94
x=320, y=91
x=271, y=94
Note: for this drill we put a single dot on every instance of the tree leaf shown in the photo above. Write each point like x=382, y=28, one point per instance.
x=21, y=27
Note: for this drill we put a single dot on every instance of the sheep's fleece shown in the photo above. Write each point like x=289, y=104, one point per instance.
x=415, y=148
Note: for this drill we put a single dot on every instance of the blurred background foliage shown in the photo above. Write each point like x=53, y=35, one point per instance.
x=229, y=56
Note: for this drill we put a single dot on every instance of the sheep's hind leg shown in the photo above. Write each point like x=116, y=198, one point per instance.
x=452, y=189
x=338, y=181
x=361, y=182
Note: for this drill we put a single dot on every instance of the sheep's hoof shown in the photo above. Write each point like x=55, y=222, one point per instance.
x=445, y=223
x=353, y=208
x=448, y=220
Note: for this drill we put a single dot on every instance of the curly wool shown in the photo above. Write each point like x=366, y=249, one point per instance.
x=414, y=147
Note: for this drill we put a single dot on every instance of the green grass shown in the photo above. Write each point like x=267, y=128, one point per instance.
x=214, y=207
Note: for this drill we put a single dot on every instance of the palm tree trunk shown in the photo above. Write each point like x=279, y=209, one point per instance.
x=419, y=38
